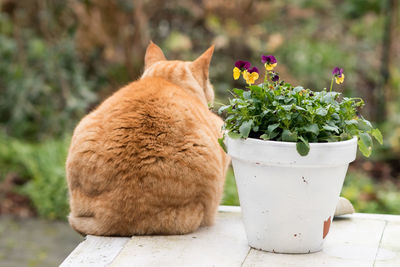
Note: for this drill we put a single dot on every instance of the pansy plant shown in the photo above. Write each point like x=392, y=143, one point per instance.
x=249, y=74
x=276, y=110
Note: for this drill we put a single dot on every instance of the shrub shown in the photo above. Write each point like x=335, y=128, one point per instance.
x=370, y=196
x=43, y=164
x=43, y=86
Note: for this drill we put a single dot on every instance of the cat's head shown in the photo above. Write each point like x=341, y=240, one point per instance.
x=190, y=75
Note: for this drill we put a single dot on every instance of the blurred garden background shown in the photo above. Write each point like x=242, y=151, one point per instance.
x=60, y=58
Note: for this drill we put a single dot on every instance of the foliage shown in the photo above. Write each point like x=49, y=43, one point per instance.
x=275, y=110
x=370, y=196
x=43, y=86
x=230, y=196
x=43, y=164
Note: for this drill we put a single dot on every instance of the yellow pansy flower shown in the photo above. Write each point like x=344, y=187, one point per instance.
x=339, y=79
x=270, y=66
x=245, y=74
x=251, y=75
x=236, y=73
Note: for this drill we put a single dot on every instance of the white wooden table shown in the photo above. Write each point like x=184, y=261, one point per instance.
x=354, y=240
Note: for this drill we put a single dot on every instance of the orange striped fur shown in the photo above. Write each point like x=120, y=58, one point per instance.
x=147, y=160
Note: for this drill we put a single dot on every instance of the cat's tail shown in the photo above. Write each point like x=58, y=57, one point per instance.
x=172, y=221
x=85, y=225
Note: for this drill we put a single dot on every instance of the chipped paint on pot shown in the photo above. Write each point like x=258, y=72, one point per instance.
x=327, y=225
x=286, y=198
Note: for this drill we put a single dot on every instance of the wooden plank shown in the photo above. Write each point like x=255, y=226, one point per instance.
x=223, y=244
x=353, y=241
x=229, y=209
x=95, y=251
x=372, y=216
x=350, y=243
x=389, y=251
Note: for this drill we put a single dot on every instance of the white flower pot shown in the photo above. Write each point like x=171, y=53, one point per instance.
x=288, y=200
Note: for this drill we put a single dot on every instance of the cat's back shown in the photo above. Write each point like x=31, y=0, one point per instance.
x=149, y=105
x=143, y=124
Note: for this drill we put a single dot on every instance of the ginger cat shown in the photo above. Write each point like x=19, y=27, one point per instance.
x=147, y=160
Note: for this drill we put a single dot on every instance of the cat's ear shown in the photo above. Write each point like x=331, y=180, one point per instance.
x=202, y=64
x=153, y=55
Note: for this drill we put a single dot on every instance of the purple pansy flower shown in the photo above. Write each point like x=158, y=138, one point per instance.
x=270, y=59
x=275, y=77
x=240, y=64
x=253, y=69
x=337, y=72
x=338, y=75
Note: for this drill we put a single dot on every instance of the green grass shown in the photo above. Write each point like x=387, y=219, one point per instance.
x=230, y=196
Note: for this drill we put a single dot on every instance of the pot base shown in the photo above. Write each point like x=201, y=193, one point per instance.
x=286, y=251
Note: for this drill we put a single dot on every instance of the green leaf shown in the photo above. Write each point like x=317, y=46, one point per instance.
x=264, y=137
x=312, y=128
x=367, y=122
x=351, y=122
x=364, y=125
x=265, y=112
x=222, y=144
x=330, y=97
x=377, y=135
x=230, y=117
x=366, y=139
x=303, y=147
x=272, y=127
x=331, y=128
x=365, y=144
x=335, y=116
x=289, y=136
x=271, y=131
x=247, y=94
x=321, y=112
x=239, y=92
x=234, y=135
x=255, y=88
x=289, y=100
x=273, y=134
x=344, y=136
x=223, y=108
x=364, y=149
x=298, y=89
x=245, y=128
x=299, y=108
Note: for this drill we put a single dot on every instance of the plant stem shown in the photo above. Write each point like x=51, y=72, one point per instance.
x=330, y=90
x=265, y=78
